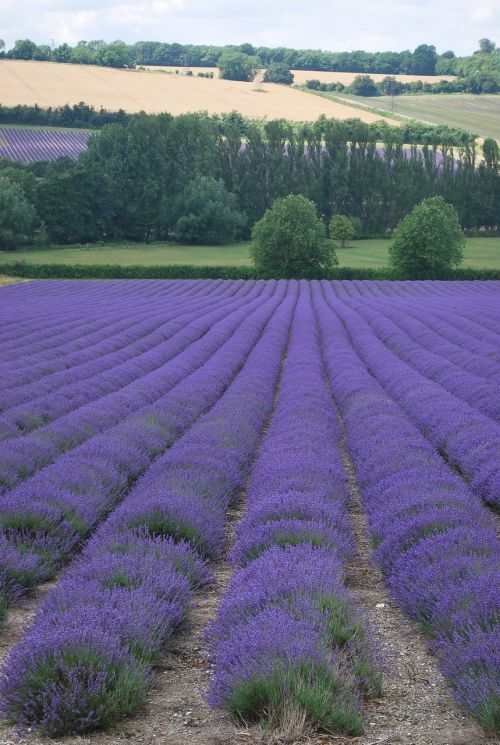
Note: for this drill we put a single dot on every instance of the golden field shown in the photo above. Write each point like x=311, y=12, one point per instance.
x=53, y=84
x=301, y=76
x=347, y=77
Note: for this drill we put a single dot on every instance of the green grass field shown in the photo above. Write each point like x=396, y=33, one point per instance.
x=480, y=253
x=477, y=114
x=129, y=254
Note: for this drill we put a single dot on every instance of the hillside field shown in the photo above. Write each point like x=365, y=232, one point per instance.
x=53, y=84
x=478, y=114
x=480, y=253
x=243, y=510
x=301, y=76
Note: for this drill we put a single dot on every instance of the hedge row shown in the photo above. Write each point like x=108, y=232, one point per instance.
x=189, y=271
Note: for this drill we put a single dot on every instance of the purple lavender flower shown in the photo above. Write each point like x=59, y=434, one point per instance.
x=135, y=579
x=435, y=541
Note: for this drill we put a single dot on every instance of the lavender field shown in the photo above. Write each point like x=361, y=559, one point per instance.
x=32, y=145
x=164, y=440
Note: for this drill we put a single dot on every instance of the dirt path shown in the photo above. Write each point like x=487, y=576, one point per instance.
x=417, y=707
x=177, y=713
x=18, y=619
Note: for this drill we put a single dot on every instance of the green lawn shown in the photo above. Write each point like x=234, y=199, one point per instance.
x=480, y=253
x=127, y=254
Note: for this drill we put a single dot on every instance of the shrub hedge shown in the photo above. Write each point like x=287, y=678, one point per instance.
x=189, y=271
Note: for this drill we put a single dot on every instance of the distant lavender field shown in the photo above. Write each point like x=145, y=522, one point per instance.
x=30, y=145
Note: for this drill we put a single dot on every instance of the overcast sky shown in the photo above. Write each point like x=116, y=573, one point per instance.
x=315, y=24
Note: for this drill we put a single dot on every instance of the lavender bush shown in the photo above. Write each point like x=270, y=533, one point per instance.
x=133, y=414
x=434, y=540
x=287, y=634
x=460, y=436
x=103, y=625
x=140, y=385
x=50, y=514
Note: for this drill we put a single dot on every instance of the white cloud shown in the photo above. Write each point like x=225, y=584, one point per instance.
x=358, y=24
x=69, y=27
x=482, y=12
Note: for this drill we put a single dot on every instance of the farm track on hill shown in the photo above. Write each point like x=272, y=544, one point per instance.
x=320, y=459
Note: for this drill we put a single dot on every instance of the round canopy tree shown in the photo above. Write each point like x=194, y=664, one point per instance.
x=238, y=66
x=342, y=229
x=363, y=85
x=207, y=214
x=278, y=72
x=429, y=241
x=290, y=240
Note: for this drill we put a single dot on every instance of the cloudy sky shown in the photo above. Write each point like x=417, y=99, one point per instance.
x=318, y=24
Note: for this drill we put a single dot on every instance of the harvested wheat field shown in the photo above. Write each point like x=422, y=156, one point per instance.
x=53, y=84
x=300, y=76
x=347, y=77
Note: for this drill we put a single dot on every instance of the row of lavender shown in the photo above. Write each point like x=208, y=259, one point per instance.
x=31, y=145
x=32, y=328
x=395, y=353
x=457, y=410
x=109, y=347
x=476, y=382
x=288, y=638
x=48, y=515
x=435, y=541
x=88, y=657
x=75, y=412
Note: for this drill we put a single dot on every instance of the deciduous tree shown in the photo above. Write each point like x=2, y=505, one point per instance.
x=428, y=241
x=17, y=215
x=277, y=72
x=291, y=239
x=342, y=229
x=207, y=213
x=238, y=66
x=363, y=85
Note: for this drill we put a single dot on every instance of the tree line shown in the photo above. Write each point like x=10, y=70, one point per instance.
x=188, y=177
x=424, y=60
x=82, y=116
x=364, y=85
